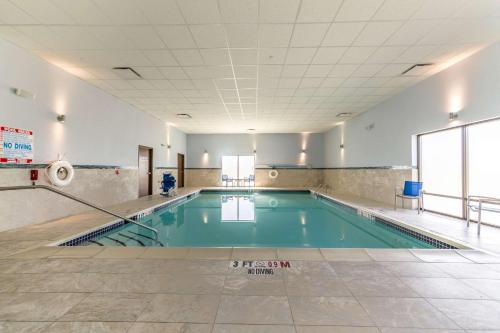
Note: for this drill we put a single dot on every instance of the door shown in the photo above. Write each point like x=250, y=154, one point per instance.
x=180, y=170
x=145, y=163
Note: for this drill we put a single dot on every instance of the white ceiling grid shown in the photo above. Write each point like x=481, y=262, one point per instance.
x=272, y=65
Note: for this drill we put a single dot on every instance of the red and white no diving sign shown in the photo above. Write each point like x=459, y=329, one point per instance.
x=16, y=145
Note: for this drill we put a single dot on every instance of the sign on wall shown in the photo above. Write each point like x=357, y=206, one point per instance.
x=16, y=145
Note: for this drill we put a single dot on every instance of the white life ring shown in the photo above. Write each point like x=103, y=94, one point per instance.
x=60, y=173
x=273, y=174
x=273, y=203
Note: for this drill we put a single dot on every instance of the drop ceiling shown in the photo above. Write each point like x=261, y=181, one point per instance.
x=272, y=65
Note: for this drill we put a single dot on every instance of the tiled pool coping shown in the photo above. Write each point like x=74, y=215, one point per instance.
x=426, y=236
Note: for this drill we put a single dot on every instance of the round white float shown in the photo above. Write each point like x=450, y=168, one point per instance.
x=273, y=174
x=60, y=173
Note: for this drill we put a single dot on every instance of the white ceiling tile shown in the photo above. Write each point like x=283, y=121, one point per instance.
x=173, y=73
x=215, y=56
x=83, y=11
x=43, y=11
x=76, y=38
x=120, y=84
x=329, y=55
x=11, y=14
x=141, y=84
x=245, y=72
x=479, y=8
x=43, y=36
x=308, y=34
x=278, y=11
x=357, y=10
x=209, y=36
x=239, y=11
x=318, y=70
x=160, y=57
x=18, y=38
x=246, y=83
x=272, y=56
x=367, y=70
x=143, y=37
x=243, y=56
x=299, y=56
x=376, y=33
x=176, y=36
x=159, y=11
x=386, y=54
x=311, y=82
x=393, y=70
x=397, y=10
x=182, y=84
x=411, y=32
x=162, y=84
x=356, y=55
x=288, y=83
x=275, y=35
x=122, y=11
x=432, y=9
x=318, y=10
x=294, y=70
x=200, y=11
x=270, y=70
x=332, y=82
x=188, y=57
x=150, y=73
x=343, y=34
x=342, y=70
x=415, y=54
x=242, y=35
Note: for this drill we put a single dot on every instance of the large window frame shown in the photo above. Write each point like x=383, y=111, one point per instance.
x=238, y=168
x=464, y=165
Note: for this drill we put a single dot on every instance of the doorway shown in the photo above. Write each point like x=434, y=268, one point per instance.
x=180, y=170
x=145, y=164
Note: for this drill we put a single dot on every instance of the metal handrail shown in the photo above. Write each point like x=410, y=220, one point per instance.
x=69, y=196
x=479, y=208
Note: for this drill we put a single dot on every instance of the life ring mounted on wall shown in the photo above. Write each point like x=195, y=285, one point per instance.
x=60, y=173
x=273, y=174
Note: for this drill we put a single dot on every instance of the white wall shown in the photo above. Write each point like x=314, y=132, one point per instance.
x=99, y=129
x=471, y=86
x=271, y=148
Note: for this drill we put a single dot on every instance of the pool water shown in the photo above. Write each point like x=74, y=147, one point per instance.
x=259, y=219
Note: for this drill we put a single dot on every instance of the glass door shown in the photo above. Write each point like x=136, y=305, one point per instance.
x=441, y=160
x=239, y=169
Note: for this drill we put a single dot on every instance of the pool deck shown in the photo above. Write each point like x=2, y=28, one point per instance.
x=113, y=289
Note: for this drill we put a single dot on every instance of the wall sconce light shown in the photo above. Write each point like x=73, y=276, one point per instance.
x=341, y=146
x=61, y=118
x=453, y=116
x=255, y=151
x=164, y=145
x=22, y=93
x=169, y=146
x=303, y=151
x=205, y=152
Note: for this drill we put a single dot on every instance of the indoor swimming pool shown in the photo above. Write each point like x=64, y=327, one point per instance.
x=259, y=219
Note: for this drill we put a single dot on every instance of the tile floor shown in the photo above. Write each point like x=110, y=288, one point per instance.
x=95, y=289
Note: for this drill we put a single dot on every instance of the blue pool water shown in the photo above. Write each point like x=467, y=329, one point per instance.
x=263, y=219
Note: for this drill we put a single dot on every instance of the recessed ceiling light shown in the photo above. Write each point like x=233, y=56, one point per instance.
x=184, y=116
x=251, y=129
x=344, y=114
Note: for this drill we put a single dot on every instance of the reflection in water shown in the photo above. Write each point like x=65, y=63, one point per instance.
x=236, y=208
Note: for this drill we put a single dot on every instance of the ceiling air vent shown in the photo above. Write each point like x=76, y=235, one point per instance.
x=183, y=116
x=343, y=114
x=127, y=73
x=417, y=69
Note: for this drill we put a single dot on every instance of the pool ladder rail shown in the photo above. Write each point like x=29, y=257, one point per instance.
x=476, y=203
x=72, y=197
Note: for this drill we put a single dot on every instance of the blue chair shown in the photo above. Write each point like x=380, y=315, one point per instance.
x=413, y=191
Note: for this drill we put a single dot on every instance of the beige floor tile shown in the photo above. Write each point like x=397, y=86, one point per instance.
x=430, y=255
x=315, y=285
x=255, y=253
x=209, y=253
x=23, y=327
x=120, y=252
x=313, y=268
x=490, y=288
x=443, y=288
x=414, y=269
x=404, y=312
x=109, y=307
x=299, y=254
x=421, y=330
x=36, y=306
x=254, y=310
x=170, y=328
x=391, y=255
x=360, y=270
x=10, y=282
x=344, y=311
x=164, y=253
x=40, y=252
x=379, y=286
x=259, y=286
x=64, y=282
x=78, y=327
x=185, y=283
x=181, y=309
x=235, y=328
x=468, y=271
x=77, y=252
x=479, y=256
x=471, y=314
x=336, y=329
x=346, y=255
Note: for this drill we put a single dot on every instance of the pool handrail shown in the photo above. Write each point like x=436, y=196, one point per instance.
x=479, y=207
x=72, y=197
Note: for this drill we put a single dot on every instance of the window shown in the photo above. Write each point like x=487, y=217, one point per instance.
x=449, y=176
x=241, y=169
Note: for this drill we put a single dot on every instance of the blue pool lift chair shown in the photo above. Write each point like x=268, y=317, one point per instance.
x=413, y=191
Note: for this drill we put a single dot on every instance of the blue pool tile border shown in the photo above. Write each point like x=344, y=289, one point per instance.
x=84, y=239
